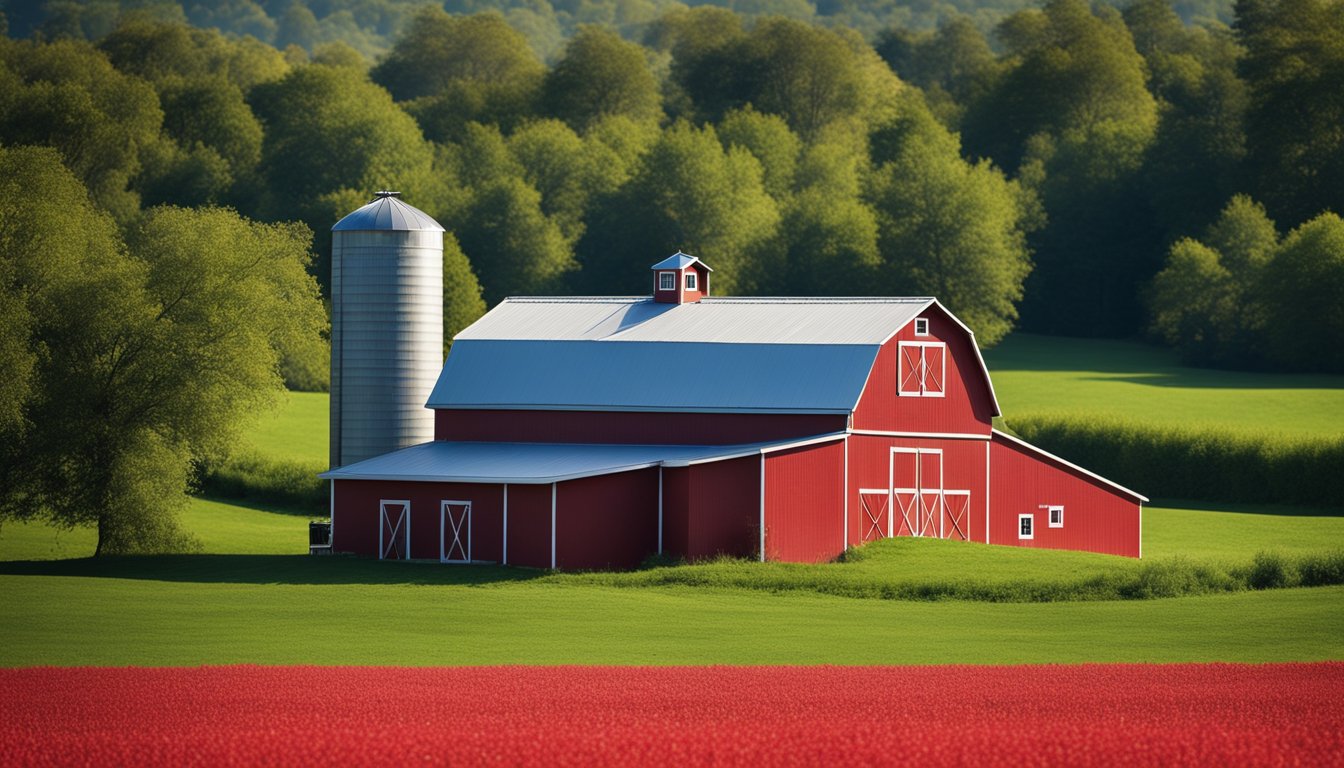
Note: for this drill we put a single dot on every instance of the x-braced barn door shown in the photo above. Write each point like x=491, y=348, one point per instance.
x=917, y=491
x=394, y=529
x=876, y=520
x=455, y=531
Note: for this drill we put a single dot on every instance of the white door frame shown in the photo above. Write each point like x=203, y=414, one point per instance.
x=918, y=527
x=383, y=524
x=445, y=521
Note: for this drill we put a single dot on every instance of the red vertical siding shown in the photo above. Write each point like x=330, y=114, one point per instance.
x=804, y=503
x=609, y=521
x=676, y=511
x=1096, y=517
x=356, y=516
x=637, y=428
x=712, y=509
x=966, y=406
x=530, y=525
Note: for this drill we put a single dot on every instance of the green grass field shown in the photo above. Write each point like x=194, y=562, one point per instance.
x=297, y=431
x=1059, y=377
x=243, y=601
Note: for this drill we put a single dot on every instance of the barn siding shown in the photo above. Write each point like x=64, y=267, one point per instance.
x=609, y=521
x=1096, y=517
x=712, y=509
x=963, y=469
x=676, y=511
x=966, y=406
x=725, y=508
x=530, y=525
x=637, y=428
x=356, y=515
x=804, y=503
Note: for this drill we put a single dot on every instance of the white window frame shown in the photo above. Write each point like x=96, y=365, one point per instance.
x=1032, y=519
x=1050, y=510
x=921, y=326
x=692, y=284
x=667, y=281
x=923, y=347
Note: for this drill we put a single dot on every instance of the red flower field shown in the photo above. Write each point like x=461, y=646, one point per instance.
x=1222, y=714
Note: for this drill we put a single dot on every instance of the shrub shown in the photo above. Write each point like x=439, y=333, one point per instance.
x=288, y=484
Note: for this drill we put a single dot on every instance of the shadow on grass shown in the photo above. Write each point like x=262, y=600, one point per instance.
x=271, y=569
x=1213, y=379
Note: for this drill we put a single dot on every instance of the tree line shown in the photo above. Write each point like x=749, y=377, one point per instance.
x=1045, y=170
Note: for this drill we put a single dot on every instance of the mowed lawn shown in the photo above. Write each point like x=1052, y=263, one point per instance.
x=1052, y=376
x=241, y=605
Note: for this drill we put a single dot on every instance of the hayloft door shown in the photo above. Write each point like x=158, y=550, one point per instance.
x=455, y=531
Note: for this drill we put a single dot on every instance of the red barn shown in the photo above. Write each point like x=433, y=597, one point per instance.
x=595, y=432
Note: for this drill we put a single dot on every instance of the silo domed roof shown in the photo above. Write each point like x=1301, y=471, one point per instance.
x=386, y=212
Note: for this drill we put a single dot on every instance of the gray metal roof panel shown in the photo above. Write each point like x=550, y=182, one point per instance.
x=680, y=260
x=472, y=462
x=387, y=213
x=724, y=320
x=652, y=376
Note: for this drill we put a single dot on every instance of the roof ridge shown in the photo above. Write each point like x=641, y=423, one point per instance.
x=731, y=299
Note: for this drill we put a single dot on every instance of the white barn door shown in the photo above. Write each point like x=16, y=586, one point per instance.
x=394, y=529
x=455, y=531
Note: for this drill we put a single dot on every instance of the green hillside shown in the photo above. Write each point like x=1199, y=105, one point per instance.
x=1064, y=378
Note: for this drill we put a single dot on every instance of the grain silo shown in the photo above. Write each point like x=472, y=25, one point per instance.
x=386, y=328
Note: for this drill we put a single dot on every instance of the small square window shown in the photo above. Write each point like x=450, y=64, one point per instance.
x=1025, y=527
x=921, y=326
x=667, y=281
x=1056, y=517
x=691, y=284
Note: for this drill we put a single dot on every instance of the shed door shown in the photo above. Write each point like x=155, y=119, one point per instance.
x=455, y=531
x=394, y=529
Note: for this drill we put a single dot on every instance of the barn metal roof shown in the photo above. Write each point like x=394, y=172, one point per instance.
x=717, y=320
x=386, y=212
x=680, y=260
x=653, y=376
x=535, y=463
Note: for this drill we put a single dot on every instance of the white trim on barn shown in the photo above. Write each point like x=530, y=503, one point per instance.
x=924, y=435
x=762, y=506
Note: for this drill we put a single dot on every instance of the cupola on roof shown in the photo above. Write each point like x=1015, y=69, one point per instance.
x=387, y=212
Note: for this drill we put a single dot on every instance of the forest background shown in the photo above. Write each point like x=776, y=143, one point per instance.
x=1172, y=172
